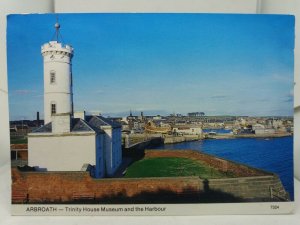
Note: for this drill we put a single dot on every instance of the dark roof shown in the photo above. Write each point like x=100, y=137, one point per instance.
x=99, y=121
x=78, y=125
x=44, y=129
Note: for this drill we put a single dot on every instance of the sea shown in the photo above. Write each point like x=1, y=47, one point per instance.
x=269, y=154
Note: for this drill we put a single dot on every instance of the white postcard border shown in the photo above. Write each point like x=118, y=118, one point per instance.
x=153, y=209
x=179, y=209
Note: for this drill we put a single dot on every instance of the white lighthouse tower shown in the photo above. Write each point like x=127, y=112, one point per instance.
x=58, y=93
x=67, y=142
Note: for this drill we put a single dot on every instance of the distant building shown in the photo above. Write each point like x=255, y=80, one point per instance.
x=261, y=129
x=187, y=130
x=25, y=125
x=158, y=117
x=23, y=128
x=258, y=127
x=196, y=114
x=265, y=131
x=68, y=141
x=245, y=130
x=136, y=124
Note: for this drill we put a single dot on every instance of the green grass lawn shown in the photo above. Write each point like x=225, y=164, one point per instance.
x=18, y=141
x=171, y=167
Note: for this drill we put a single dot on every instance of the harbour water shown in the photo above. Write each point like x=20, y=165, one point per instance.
x=273, y=155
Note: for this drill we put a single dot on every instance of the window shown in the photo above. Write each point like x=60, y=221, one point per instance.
x=52, y=77
x=53, y=108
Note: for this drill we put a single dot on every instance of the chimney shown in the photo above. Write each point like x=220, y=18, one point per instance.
x=38, y=118
x=79, y=114
x=61, y=123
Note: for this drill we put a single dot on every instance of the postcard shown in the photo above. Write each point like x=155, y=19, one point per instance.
x=151, y=113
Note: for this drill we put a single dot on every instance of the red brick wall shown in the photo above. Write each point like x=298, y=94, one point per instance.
x=23, y=155
x=63, y=186
x=19, y=146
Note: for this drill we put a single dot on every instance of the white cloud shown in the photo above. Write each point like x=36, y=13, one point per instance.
x=23, y=92
x=283, y=78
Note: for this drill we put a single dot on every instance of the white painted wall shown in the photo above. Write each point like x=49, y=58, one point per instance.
x=113, y=149
x=62, y=153
x=57, y=58
x=79, y=114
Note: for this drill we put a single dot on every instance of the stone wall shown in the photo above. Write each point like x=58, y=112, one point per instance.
x=137, y=150
x=173, y=140
x=265, y=188
x=179, y=139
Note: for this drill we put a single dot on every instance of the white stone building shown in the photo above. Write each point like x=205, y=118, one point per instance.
x=187, y=130
x=112, y=142
x=58, y=94
x=67, y=143
x=261, y=129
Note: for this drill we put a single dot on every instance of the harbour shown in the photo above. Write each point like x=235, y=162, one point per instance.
x=273, y=155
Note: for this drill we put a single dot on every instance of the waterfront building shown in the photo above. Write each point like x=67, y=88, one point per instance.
x=258, y=127
x=261, y=129
x=68, y=141
x=187, y=130
x=264, y=131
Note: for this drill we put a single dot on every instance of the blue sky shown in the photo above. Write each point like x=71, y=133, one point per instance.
x=159, y=63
